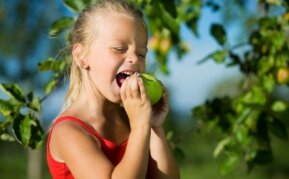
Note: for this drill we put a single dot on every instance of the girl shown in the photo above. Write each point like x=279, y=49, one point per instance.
x=94, y=137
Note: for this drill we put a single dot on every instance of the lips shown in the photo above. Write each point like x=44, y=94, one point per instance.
x=120, y=77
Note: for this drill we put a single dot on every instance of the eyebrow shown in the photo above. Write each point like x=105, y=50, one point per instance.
x=142, y=49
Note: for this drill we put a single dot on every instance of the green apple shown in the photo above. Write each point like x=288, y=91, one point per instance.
x=153, y=87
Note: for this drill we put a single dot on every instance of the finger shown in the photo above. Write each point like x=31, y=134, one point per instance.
x=134, y=88
x=123, y=90
x=128, y=87
x=165, y=94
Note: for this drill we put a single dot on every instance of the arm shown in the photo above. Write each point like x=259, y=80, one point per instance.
x=82, y=153
x=139, y=112
x=165, y=165
x=88, y=161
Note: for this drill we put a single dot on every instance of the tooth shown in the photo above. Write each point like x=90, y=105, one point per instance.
x=128, y=72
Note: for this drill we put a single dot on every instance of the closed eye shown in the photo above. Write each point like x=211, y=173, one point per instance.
x=120, y=49
x=142, y=55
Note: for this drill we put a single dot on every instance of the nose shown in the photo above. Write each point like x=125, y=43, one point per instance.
x=132, y=58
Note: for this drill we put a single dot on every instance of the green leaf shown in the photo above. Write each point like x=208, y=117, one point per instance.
x=278, y=129
x=252, y=119
x=60, y=25
x=219, y=33
x=200, y=112
x=250, y=154
x=28, y=131
x=220, y=146
x=37, y=134
x=22, y=128
x=35, y=104
x=268, y=82
x=279, y=40
x=243, y=115
x=264, y=65
x=255, y=39
x=4, y=125
x=48, y=64
x=63, y=64
x=234, y=58
x=78, y=5
x=242, y=135
x=191, y=18
x=279, y=106
x=7, y=137
x=255, y=96
x=50, y=86
x=170, y=7
x=267, y=23
x=16, y=105
x=68, y=38
x=14, y=91
x=274, y=2
x=5, y=108
x=230, y=163
x=169, y=21
x=281, y=60
x=219, y=56
x=30, y=96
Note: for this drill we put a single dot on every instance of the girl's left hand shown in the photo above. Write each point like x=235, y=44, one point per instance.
x=160, y=110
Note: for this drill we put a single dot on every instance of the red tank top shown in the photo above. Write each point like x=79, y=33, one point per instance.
x=59, y=170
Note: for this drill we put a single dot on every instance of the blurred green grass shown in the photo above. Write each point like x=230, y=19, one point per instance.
x=14, y=161
x=200, y=164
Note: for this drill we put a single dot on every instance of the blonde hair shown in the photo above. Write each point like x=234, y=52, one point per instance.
x=82, y=33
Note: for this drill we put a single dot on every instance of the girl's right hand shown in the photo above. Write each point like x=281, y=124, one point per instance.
x=136, y=102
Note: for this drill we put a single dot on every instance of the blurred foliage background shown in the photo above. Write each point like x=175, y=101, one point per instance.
x=228, y=136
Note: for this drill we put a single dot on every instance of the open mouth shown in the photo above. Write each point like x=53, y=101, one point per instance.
x=120, y=77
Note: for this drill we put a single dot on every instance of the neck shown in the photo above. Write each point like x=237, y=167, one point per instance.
x=91, y=105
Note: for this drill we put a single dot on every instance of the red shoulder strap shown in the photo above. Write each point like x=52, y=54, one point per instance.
x=103, y=140
x=74, y=119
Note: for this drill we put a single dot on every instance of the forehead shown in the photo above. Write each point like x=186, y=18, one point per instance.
x=121, y=26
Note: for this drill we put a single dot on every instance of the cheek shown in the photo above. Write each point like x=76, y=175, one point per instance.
x=143, y=66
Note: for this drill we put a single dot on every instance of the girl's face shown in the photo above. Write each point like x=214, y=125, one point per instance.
x=119, y=49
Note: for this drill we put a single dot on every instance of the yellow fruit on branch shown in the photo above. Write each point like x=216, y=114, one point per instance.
x=282, y=75
x=165, y=45
x=153, y=42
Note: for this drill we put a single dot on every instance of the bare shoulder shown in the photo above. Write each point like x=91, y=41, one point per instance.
x=67, y=126
x=67, y=135
x=72, y=144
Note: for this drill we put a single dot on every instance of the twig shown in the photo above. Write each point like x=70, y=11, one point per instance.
x=212, y=53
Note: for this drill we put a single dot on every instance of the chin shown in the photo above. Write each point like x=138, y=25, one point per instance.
x=116, y=100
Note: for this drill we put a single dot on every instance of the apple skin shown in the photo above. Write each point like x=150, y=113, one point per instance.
x=153, y=87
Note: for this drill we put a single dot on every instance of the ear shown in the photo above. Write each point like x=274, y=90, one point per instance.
x=78, y=54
